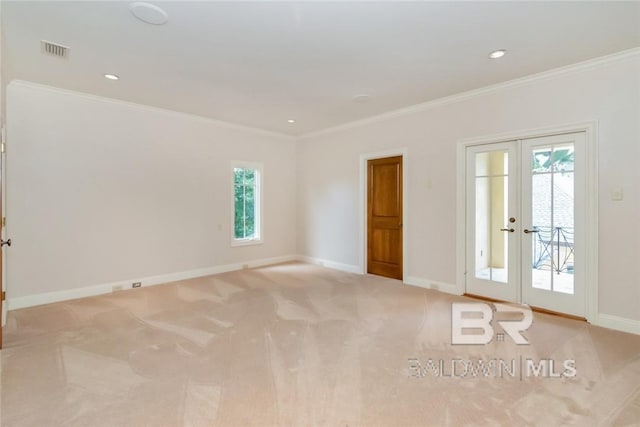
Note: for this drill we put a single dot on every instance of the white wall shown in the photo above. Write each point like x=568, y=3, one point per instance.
x=328, y=172
x=101, y=191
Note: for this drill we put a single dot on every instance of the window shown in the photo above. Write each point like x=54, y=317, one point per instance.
x=246, y=204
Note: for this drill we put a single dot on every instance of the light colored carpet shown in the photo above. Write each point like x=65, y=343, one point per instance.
x=296, y=345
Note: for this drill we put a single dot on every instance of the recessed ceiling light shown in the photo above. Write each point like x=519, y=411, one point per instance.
x=497, y=54
x=149, y=13
x=111, y=77
x=362, y=98
x=291, y=121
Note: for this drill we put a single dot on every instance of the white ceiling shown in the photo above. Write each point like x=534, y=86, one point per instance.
x=262, y=63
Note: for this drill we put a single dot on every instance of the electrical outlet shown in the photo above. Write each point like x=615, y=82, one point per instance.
x=136, y=284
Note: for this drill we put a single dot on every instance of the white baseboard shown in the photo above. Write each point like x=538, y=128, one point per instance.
x=618, y=323
x=413, y=281
x=105, y=288
x=432, y=284
x=604, y=320
x=349, y=268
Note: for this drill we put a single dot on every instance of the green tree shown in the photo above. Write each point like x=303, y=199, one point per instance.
x=244, y=203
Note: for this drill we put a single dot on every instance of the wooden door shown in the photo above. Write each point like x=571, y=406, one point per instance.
x=384, y=217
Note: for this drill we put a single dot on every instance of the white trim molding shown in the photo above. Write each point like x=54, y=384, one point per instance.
x=486, y=90
x=618, y=323
x=364, y=158
x=603, y=320
x=105, y=288
x=435, y=285
x=348, y=268
x=221, y=123
x=591, y=216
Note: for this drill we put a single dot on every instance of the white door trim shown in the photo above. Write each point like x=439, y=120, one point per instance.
x=404, y=152
x=591, y=215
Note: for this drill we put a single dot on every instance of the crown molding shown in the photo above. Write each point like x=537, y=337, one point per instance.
x=521, y=81
x=221, y=123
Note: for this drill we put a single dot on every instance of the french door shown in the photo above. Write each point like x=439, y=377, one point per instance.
x=525, y=222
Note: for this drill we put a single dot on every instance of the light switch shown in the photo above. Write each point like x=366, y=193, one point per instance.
x=616, y=194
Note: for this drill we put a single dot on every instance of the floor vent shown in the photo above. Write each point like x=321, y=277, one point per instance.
x=54, y=49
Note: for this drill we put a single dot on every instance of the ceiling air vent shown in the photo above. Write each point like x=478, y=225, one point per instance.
x=54, y=49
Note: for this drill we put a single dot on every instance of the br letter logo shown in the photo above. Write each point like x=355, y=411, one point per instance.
x=476, y=317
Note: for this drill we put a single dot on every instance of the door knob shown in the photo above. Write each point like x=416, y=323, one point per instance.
x=530, y=231
x=510, y=230
x=5, y=242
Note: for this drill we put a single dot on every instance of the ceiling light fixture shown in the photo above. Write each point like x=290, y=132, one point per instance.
x=291, y=121
x=111, y=77
x=497, y=54
x=149, y=13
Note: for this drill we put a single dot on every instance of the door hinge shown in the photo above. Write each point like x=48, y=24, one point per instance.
x=3, y=147
x=4, y=221
x=4, y=295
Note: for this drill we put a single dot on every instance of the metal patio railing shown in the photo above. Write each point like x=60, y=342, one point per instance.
x=553, y=249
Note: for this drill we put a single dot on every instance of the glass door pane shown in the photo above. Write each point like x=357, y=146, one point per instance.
x=490, y=204
x=491, y=216
x=551, y=218
x=552, y=193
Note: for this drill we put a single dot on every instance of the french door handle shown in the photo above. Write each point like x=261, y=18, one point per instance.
x=530, y=231
x=510, y=230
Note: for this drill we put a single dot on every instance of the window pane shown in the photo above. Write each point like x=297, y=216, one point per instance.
x=483, y=245
x=491, y=205
x=563, y=158
x=250, y=211
x=245, y=203
x=542, y=239
x=542, y=161
x=239, y=212
x=553, y=213
x=249, y=176
x=563, y=228
x=238, y=175
x=482, y=164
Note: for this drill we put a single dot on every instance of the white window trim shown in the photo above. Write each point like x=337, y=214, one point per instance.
x=260, y=211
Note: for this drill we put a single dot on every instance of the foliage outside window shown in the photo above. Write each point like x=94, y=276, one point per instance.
x=246, y=205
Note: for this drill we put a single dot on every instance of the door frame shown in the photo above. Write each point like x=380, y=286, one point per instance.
x=364, y=158
x=591, y=215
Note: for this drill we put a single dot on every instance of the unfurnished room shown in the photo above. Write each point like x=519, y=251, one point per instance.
x=320, y=213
